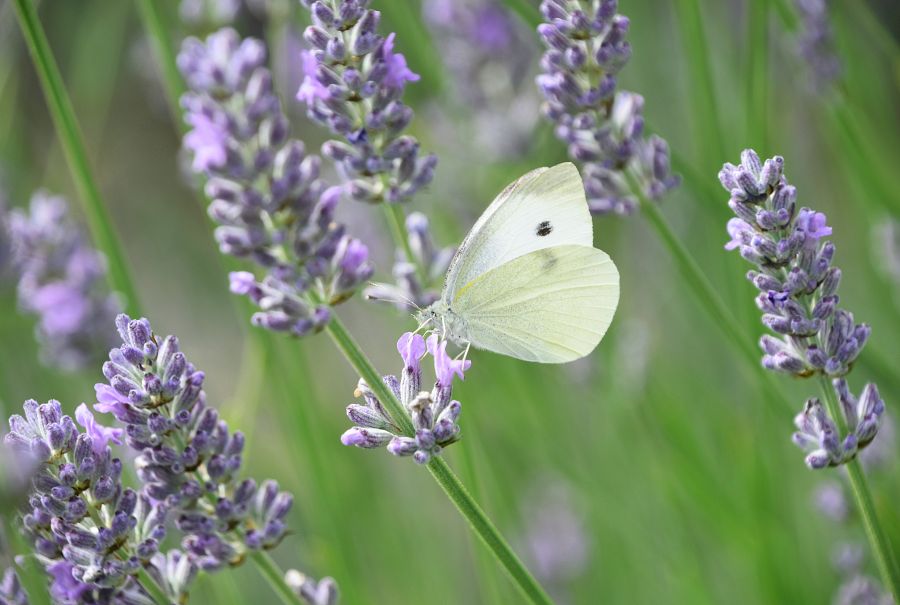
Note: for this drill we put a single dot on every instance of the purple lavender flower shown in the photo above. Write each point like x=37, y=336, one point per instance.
x=187, y=457
x=266, y=193
x=323, y=592
x=11, y=591
x=798, y=297
x=353, y=85
x=208, y=13
x=862, y=590
x=816, y=44
x=434, y=414
x=62, y=281
x=490, y=58
x=555, y=541
x=91, y=533
x=417, y=280
x=603, y=129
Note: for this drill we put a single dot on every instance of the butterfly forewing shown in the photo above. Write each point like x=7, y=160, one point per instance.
x=543, y=209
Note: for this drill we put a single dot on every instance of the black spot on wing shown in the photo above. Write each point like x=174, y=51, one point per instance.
x=544, y=228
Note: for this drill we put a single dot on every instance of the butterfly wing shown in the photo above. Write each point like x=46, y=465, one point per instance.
x=551, y=305
x=543, y=209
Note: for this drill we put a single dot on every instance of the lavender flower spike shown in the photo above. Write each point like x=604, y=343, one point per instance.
x=353, y=85
x=266, y=194
x=434, y=414
x=187, y=457
x=816, y=43
x=91, y=534
x=603, y=129
x=798, y=297
x=62, y=280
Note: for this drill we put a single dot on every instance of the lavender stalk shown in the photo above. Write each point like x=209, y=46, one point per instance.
x=602, y=128
x=266, y=194
x=813, y=336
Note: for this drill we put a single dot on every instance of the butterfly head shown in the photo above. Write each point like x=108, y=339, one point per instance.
x=439, y=317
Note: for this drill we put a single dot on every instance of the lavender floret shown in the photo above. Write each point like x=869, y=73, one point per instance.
x=11, y=591
x=353, y=85
x=434, y=414
x=266, y=193
x=323, y=592
x=62, y=280
x=604, y=129
x=798, y=297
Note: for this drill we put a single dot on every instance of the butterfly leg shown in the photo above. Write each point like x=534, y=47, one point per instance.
x=465, y=353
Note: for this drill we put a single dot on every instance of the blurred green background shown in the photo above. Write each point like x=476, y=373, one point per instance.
x=657, y=463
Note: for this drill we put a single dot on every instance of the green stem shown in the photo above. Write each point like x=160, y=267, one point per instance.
x=162, y=47
x=270, y=570
x=445, y=477
x=878, y=540
x=396, y=220
x=153, y=589
x=72, y=142
x=705, y=293
x=361, y=364
x=698, y=282
x=488, y=533
x=757, y=44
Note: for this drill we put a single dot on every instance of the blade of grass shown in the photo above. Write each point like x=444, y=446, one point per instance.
x=60, y=106
x=165, y=54
x=757, y=96
x=706, y=120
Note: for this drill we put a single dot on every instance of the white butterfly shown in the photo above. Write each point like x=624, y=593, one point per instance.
x=527, y=281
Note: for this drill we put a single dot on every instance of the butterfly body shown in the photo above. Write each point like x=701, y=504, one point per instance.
x=527, y=281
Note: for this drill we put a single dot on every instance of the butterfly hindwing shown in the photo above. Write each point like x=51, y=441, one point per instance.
x=552, y=305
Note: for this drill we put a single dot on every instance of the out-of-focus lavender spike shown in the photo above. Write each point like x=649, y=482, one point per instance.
x=798, y=298
x=208, y=13
x=604, y=129
x=816, y=44
x=62, y=280
x=490, y=57
x=187, y=456
x=555, y=541
x=353, y=84
x=434, y=414
x=11, y=591
x=323, y=592
x=266, y=194
x=862, y=590
x=416, y=283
